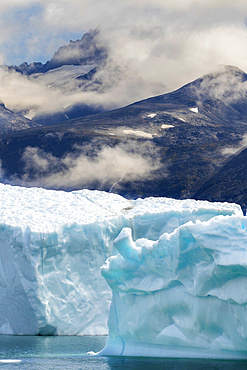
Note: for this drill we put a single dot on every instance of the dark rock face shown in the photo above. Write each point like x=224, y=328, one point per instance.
x=81, y=52
x=28, y=69
x=183, y=132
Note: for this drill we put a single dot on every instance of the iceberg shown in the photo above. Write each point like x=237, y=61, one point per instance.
x=184, y=295
x=52, y=244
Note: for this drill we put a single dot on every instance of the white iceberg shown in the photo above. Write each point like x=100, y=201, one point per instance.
x=184, y=295
x=52, y=244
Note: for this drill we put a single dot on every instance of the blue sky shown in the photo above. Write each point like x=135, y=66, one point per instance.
x=27, y=40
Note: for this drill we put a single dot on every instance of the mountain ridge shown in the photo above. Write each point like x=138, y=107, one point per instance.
x=178, y=136
x=80, y=52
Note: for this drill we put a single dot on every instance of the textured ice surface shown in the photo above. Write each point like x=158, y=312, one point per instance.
x=184, y=295
x=52, y=244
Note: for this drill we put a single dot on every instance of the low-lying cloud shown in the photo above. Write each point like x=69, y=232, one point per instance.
x=25, y=94
x=227, y=83
x=106, y=167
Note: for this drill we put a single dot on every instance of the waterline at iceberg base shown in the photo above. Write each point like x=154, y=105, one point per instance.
x=184, y=295
x=180, y=291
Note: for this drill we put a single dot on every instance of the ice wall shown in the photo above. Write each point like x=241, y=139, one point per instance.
x=52, y=244
x=184, y=295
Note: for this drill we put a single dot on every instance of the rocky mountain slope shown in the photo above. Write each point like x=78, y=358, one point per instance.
x=10, y=122
x=172, y=142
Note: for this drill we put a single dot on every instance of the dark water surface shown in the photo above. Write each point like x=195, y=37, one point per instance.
x=27, y=352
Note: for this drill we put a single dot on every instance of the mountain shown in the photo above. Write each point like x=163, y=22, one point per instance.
x=72, y=69
x=68, y=79
x=167, y=145
x=9, y=121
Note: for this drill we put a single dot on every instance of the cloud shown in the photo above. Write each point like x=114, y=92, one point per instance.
x=155, y=46
x=24, y=93
x=105, y=166
x=227, y=151
x=226, y=83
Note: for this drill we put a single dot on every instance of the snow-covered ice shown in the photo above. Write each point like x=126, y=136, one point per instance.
x=52, y=244
x=60, y=76
x=184, y=295
x=152, y=115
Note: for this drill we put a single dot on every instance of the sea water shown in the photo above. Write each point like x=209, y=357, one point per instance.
x=70, y=352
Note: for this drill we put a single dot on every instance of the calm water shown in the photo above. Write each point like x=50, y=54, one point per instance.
x=70, y=353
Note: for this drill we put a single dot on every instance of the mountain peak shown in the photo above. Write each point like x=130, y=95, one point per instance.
x=227, y=70
x=225, y=83
x=87, y=50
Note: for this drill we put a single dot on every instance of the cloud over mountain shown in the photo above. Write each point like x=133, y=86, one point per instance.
x=106, y=166
x=153, y=46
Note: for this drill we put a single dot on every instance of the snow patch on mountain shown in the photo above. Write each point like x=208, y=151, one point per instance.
x=195, y=110
x=164, y=126
x=138, y=133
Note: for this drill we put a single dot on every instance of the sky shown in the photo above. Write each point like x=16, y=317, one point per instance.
x=32, y=30
x=155, y=46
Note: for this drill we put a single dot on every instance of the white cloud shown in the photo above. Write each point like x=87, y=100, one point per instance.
x=155, y=46
x=128, y=162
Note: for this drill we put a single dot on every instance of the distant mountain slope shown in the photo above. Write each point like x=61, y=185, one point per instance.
x=68, y=79
x=10, y=121
x=229, y=183
x=173, y=142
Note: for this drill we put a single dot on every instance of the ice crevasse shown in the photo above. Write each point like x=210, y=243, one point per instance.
x=180, y=283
